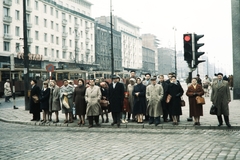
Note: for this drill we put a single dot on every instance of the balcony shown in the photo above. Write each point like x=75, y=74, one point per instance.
x=87, y=40
x=7, y=19
x=30, y=40
x=64, y=34
x=7, y=2
x=76, y=26
x=64, y=22
x=29, y=25
x=87, y=29
x=64, y=48
x=77, y=38
x=87, y=51
x=7, y=36
x=29, y=9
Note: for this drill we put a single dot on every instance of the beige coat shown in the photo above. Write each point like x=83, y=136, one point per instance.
x=220, y=97
x=131, y=97
x=54, y=100
x=154, y=94
x=92, y=98
x=7, y=89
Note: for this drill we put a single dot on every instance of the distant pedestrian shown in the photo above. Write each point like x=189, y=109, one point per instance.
x=193, y=91
x=199, y=80
x=175, y=90
x=7, y=90
x=66, y=98
x=79, y=101
x=92, y=98
x=54, y=100
x=154, y=95
x=44, y=101
x=34, y=103
x=206, y=85
x=220, y=98
x=139, y=93
x=230, y=81
x=116, y=97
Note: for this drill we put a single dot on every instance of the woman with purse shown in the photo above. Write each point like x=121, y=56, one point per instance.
x=44, y=101
x=104, y=101
x=79, y=101
x=193, y=91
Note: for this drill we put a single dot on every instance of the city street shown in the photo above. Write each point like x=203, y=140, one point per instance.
x=42, y=142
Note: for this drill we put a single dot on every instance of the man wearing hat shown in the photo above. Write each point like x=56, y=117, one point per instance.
x=116, y=97
x=154, y=95
x=220, y=98
x=7, y=90
x=147, y=81
x=35, y=105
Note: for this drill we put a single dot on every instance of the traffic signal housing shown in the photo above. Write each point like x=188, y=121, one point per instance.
x=188, y=46
x=197, y=54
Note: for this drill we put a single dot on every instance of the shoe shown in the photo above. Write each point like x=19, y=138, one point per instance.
x=90, y=126
x=123, y=121
x=220, y=124
x=107, y=120
x=112, y=124
x=118, y=125
x=56, y=121
x=33, y=119
x=65, y=121
x=126, y=121
x=228, y=125
x=156, y=124
x=15, y=107
x=70, y=121
x=195, y=123
x=198, y=124
x=98, y=125
x=150, y=123
x=50, y=120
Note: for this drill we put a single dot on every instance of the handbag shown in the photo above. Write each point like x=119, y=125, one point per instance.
x=182, y=102
x=35, y=98
x=104, y=102
x=168, y=98
x=213, y=110
x=200, y=100
x=65, y=102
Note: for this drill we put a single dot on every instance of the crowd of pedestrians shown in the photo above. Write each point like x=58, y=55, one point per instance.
x=134, y=99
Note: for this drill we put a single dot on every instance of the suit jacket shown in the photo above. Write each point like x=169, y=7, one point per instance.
x=34, y=107
x=116, y=97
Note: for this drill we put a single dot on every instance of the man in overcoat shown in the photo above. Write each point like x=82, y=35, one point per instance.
x=154, y=95
x=35, y=107
x=116, y=97
x=221, y=97
x=7, y=90
x=163, y=101
x=92, y=97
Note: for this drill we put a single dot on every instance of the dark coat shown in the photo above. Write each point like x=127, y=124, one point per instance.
x=165, y=87
x=195, y=109
x=35, y=107
x=116, y=97
x=139, y=104
x=176, y=91
x=79, y=99
x=44, y=100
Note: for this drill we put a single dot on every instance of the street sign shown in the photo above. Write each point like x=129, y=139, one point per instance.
x=50, y=68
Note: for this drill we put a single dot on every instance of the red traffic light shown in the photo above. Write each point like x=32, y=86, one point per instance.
x=187, y=38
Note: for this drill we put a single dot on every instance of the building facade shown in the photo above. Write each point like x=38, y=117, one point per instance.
x=165, y=60
x=103, y=48
x=148, y=60
x=60, y=32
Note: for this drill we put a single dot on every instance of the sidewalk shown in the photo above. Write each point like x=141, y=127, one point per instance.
x=21, y=116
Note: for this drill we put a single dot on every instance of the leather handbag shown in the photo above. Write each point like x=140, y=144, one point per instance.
x=168, y=98
x=213, y=110
x=104, y=102
x=200, y=100
x=35, y=99
x=182, y=102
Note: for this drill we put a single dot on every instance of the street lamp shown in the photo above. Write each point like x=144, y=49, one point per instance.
x=112, y=58
x=175, y=51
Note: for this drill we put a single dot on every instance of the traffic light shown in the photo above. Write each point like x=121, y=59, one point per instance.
x=197, y=54
x=187, y=44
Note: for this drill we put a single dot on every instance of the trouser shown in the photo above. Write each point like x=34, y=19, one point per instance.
x=36, y=116
x=220, y=120
x=116, y=117
x=155, y=120
x=90, y=119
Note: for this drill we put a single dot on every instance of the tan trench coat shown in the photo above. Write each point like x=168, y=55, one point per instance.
x=92, y=98
x=131, y=97
x=220, y=97
x=154, y=94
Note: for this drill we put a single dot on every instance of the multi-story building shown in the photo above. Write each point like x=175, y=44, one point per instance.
x=165, y=60
x=148, y=60
x=130, y=40
x=103, y=48
x=150, y=41
x=60, y=32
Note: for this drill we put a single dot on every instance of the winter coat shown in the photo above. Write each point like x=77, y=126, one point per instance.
x=44, y=100
x=116, y=97
x=7, y=89
x=192, y=93
x=54, y=100
x=220, y=97
x=140, y=100
x=35, y=107
x=79, y=99
x=154, y=95
x=69, y=89
x=92, y=98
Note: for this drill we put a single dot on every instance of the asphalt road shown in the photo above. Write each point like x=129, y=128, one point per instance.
x=41, y=142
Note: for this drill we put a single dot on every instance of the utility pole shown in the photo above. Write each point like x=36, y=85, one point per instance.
x=112, y=58
x=175, y=51
x=26, y=59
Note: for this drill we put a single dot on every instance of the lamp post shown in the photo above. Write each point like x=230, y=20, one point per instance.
x=26, y=59
x=112, y=58
x=175, y=50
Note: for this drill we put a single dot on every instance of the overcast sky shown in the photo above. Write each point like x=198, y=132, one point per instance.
x=209, y=17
